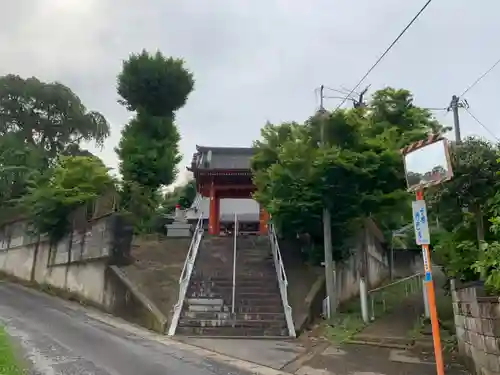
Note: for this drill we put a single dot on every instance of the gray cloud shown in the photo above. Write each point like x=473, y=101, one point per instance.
x=255, y=60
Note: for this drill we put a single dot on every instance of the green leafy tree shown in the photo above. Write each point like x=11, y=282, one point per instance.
x=153, y=86
x=47, y=115
x=475, y=168
x=182, y=195
x=488, y=261
x=357, y=173
x=19, y=162
x=74, y=181
x=149, y=151
x=38, y=122
x=463, y=206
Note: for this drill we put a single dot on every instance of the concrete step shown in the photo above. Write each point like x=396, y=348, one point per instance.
x=256, y=299
x=208, y=274
x=240, y=295
x=264, y=324
x=205, y=301
x=268, y=302
x=248, y=309
x=228, y=288
x=232, y=331
x=261, y=296
x=224, y=281
x=227, y=315
x=206, y=308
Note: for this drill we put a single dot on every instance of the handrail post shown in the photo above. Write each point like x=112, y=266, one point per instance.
x=234, y=261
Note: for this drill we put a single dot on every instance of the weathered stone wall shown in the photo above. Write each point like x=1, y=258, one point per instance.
x=477, y=321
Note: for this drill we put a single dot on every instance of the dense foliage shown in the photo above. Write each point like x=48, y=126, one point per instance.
x=73, y=182
x=48, y=116
x=182, y=195
x=154, y=87
x=356, y=173
x=44, y=172
x=468, y=208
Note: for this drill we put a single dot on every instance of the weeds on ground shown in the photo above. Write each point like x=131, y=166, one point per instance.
x=384, y=301
x=348, y=320
x=422, y=329
x=342, y=327
x=8, y=362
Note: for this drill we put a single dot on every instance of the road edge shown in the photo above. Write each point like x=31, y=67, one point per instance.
x=136, y=330
x=253, y=368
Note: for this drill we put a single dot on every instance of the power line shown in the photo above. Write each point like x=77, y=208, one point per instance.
x=481, y=123
x=480, y=78
x=343, y=91
x=385, y=53
x=436, y=108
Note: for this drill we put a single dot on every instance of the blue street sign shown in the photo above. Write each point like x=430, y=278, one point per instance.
x=420, y=223
x=428, y=276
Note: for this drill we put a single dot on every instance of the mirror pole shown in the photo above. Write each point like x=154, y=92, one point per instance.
x=431, y=297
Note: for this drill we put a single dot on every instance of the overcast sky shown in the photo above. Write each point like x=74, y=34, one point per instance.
x=257, y=60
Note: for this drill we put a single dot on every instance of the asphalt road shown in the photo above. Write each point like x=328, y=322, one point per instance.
x=56, y=338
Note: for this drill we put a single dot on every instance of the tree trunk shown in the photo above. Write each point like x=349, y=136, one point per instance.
x=479, y=224
x=35, y=258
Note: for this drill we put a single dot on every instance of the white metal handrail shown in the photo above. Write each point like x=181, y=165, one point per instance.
x=399, y=289
x=186, y=273
x=234, y=261
x=282, y=280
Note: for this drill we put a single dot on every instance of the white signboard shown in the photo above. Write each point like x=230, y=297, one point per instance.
x=420, y=223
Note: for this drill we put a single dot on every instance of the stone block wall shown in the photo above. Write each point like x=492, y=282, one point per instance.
x=477, y=321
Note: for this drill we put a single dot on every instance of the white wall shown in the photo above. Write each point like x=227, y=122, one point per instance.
x=229, y=206
x=239, y=206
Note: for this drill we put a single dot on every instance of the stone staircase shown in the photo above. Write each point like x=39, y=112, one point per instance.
x=258, y=306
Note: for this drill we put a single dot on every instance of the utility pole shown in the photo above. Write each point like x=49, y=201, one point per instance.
x=360, y=103
x=330, y=272
x=454, y=106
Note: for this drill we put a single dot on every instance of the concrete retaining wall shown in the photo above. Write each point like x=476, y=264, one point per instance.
x=349, y=272
x=80, y=266
x=477, y=321
x=407, y=262
x=76, y=264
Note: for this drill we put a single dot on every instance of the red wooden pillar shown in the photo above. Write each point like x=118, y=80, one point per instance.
x=214, y=212
x=263, y=219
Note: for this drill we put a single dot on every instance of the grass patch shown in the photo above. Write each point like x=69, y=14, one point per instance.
x=385, y=300
x=8, y=362
x=342, y=327
x=423, y=331
x=348, y=320
x=444, y=306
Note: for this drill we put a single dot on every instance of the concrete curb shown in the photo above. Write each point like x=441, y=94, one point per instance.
x=250, y=367
x=295, y=364
x=384, y=342
x=153, y=309
x=380, y=344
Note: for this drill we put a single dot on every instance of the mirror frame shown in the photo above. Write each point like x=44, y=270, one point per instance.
x=434, y=138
